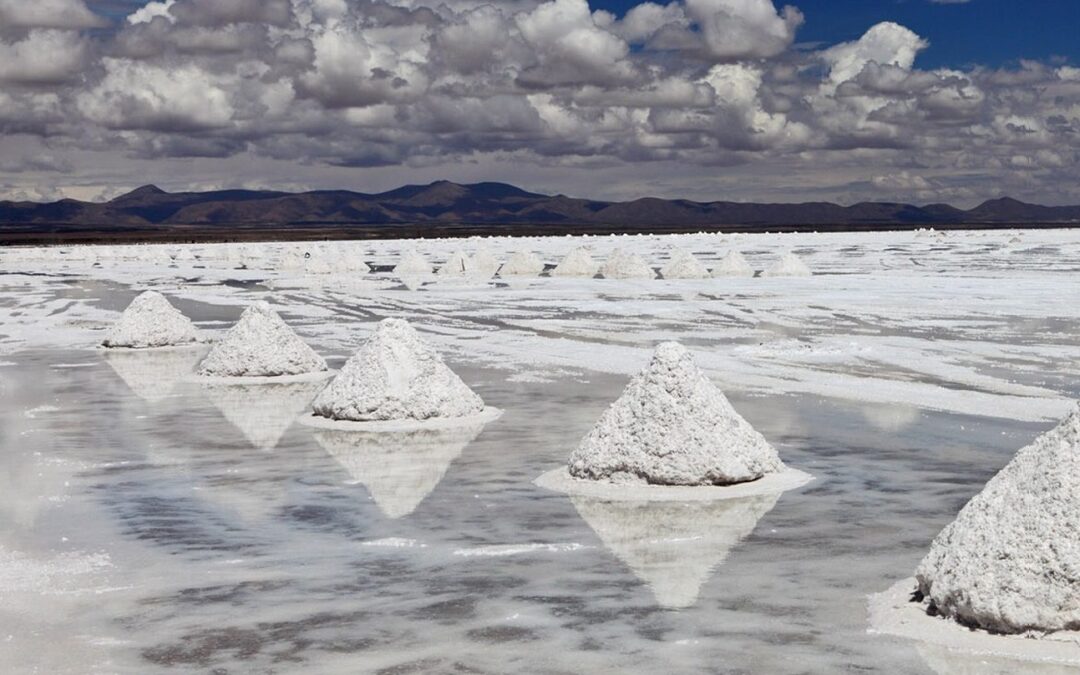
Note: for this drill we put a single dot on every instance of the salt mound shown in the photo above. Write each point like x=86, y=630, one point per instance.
x=396, y=376
x=733, y=265
x=522, y=264
x=577, y=263
x=260, y=345
x=150, y=321
x=399, y=469
x=683, y=265
x=672, y=426
x=622, y=265
x=412, y=264
x=1010, y=562
x=261, y=412
x=673, y=546
x=483, y=264
x=789, y=265
x=456, y=266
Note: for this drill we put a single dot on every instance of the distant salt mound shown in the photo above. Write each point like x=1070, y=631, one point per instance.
x=412, y=264
x=683, y=265
x=483, y=264
x=733, y=264
x=1010, y=562
x=150, y=321
x=184, y=255
x=789, y=265
x=457, y=265
x=672, y=426
x=623, y=265
x=395, y=375
x=261, y=344
x=577, y=263
x=522, y=264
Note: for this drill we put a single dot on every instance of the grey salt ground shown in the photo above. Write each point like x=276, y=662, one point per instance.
x=151, y=321
x=261, y=344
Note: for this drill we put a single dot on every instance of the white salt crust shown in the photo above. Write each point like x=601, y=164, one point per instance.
x=733, y=264
x=317, y=376
x=395, y=375
x=623, y=265
x=260, y=345
x=151, y=321
x=412, y=263
x=893, y=612
x=522, y=264
x=1010, y=562
x=789, y=265
x=560, y=480
x=577, y=263
x=683, y=265
x=672, y=426
x=488, y=414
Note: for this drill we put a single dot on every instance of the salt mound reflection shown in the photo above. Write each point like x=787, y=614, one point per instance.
x=262, y=412
x=399, y=469
x=152, y=374
x=673, y=546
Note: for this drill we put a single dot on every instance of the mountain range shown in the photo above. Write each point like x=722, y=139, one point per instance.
x=496, y=206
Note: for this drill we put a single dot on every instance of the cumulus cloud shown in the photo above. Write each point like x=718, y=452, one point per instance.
x=71, y=14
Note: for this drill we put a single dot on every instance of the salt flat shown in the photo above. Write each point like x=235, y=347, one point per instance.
x=149, y=522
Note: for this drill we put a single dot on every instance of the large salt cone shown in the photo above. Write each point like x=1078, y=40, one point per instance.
x=522, y=264
x=683, y=265
x=577, y=263
x=150, y=321
x=395, y=375
x=399, y=469
x=672, y=426
x=153, y=374
x=673, y=546
x=262, y=412
x=789, y=265
x=457, y=265
x=1010, y=562
x=261, y=344
x=733, y=264
x=623, y=265
x=483, y=264
x=412, y=264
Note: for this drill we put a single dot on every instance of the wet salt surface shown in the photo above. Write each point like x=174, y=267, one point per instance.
x=149, y=524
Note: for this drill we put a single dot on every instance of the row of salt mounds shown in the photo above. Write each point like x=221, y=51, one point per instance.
x=396, y=377
x=261, y=344
x=733, y=264
x=1010, y=562
x=683, y=265
x=522, y=264
x=483, y=264
x=789, y=265
x=151, y=321
x=623, y=265
x=577, y=263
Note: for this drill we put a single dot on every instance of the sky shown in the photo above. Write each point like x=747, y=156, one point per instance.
x=749, y=100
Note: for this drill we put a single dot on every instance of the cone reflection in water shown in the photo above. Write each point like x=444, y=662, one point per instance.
x=262, y=412
x=399, y=469
x=673, y=546
x=153, y=374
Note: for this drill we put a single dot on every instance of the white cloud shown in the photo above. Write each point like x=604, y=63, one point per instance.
x=68, y=14
x=43, y=57
x=741, y=29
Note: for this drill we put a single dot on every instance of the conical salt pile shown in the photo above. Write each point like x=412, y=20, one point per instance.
x=577, y=263
x=522, y=264
x=260, y=345
x=1010, y=562
x=733, y=265
x=672, y=426
x=396, y=376
x=412, y=264
x=150, y=321
x=673, y=546
x=399, y=469
x=457, y=265
x=683, y=265
x=622, y=265
x=789, y=265
x=483, y=264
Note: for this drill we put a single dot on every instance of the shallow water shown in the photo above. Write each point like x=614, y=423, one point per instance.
x=150, y=524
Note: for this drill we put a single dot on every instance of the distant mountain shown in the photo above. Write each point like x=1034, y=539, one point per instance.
x=482, y=204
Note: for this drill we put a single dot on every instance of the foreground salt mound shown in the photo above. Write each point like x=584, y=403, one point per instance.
x=673, y=546
x=395, y=375
x=458, y=265
x=151, y=321
x=733, y=264
x=399, y=469
x=623, y=265
x=577, y=263
x=522, y=264
x=683, y=265
x=789, y=265
x=413, y=264
x=261, y=344
x=672, y=426
x=1010, y=562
